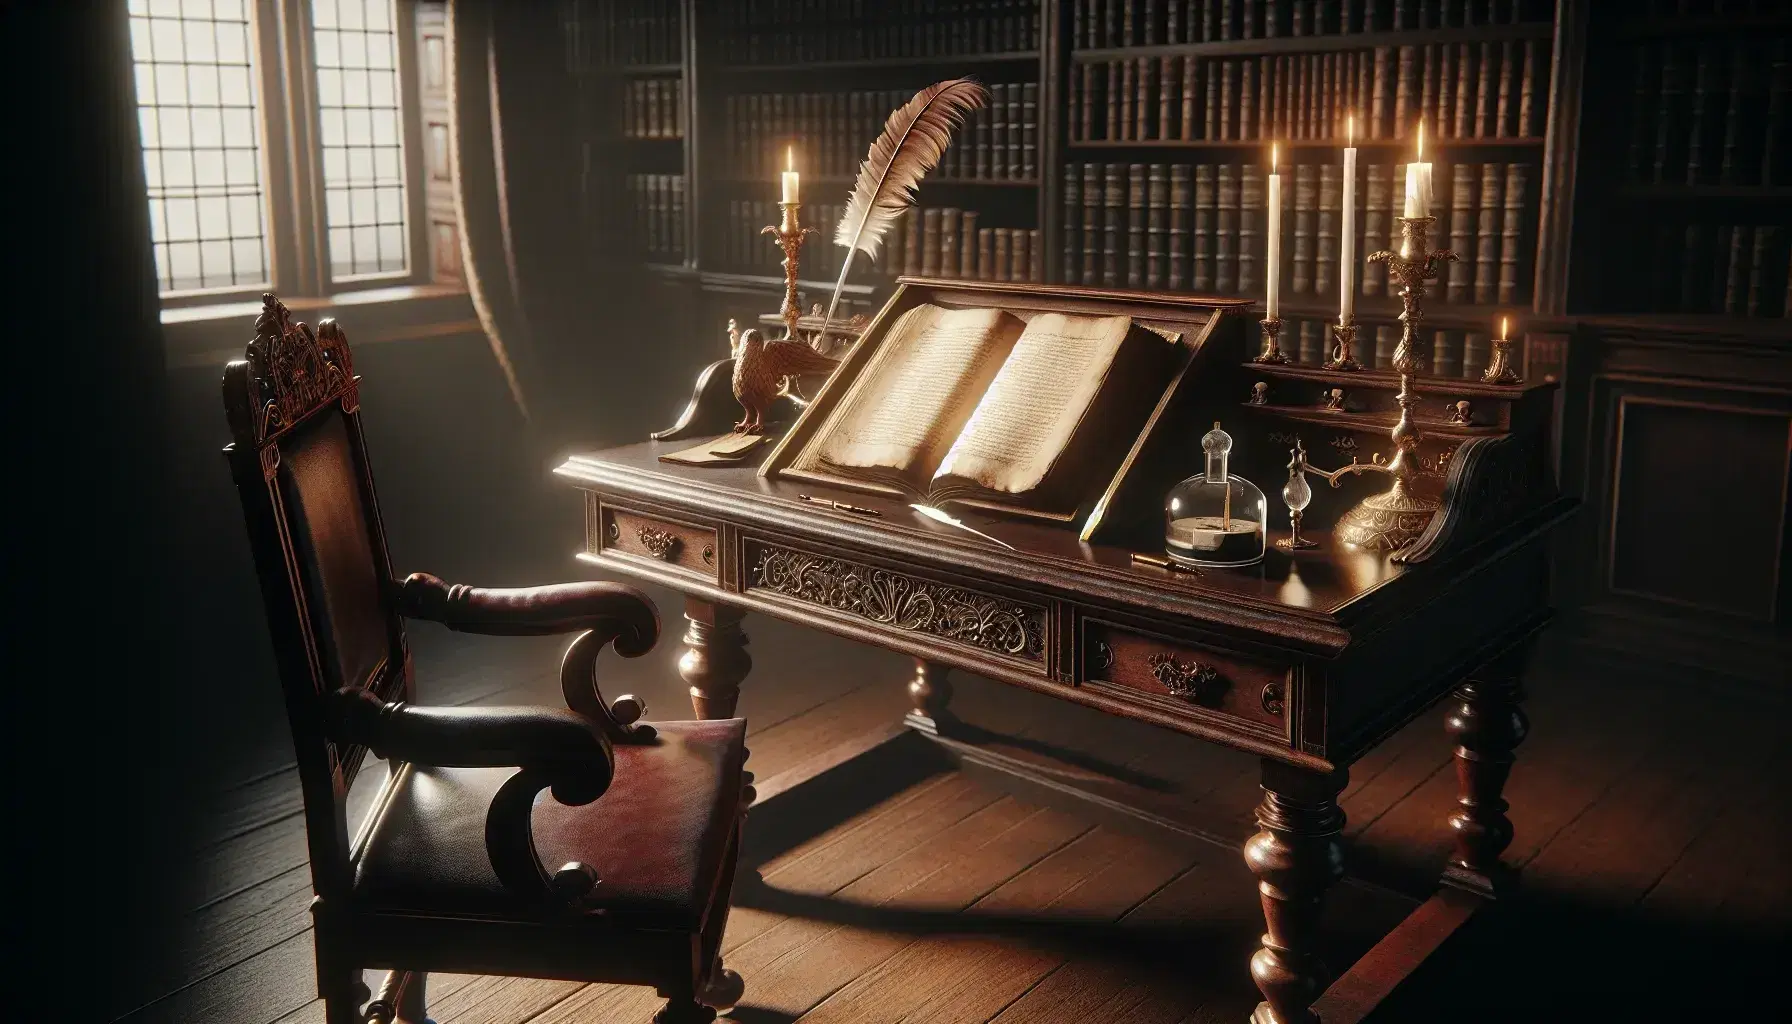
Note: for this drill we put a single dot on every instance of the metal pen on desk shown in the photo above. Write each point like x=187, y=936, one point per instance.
x=1165, y=564
x=839, y=505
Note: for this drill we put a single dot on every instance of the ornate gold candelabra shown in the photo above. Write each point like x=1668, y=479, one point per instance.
x=789, y=234
x=1272, y=349
x=1343, y=344
x=1395, y=518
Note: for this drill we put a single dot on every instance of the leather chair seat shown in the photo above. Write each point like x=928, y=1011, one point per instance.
x=657, y=838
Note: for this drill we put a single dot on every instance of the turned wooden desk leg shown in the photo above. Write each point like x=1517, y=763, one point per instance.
x=1296, y=857
x=1487, y=724
x=715, y=657
x=930, y=694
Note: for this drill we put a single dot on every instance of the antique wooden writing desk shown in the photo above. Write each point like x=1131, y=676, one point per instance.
x=1306, y=660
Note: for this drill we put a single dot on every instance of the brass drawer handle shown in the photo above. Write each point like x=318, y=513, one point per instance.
x=1189, y=680
x=659, y=543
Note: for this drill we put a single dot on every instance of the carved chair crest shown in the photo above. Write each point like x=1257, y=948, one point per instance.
x=292, y=372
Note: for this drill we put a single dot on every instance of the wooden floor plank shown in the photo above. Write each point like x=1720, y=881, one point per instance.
x=1017, y=935
x=262, y=988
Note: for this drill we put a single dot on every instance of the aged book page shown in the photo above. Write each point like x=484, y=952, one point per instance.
x=918, y=390
x=1034, y=404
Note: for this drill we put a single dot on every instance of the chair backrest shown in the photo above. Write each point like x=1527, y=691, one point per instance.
x=307, y=492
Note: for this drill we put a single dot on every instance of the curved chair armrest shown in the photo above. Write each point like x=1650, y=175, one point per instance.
x=621, y=612
x=558, y=749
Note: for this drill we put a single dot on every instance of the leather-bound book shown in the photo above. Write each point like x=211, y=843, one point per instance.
x=1079, y=24
x=1736, y=271
x=1128, y=24
x=1016, y=140
x=1431, y=65
x=1206, y=204
x=1375, y=228
x=1387, y=338
x=1036, y=256
x=1306, y=200
x=1111, y=23
x=1135, y=225
x=1029, y=130
x=1742, y=85
x=1181, y=198
x=930, y=242
x=948, y=257
x=1527, y=93
x=1228, y=101
x=1446, y=354
x=1381, y=110
x=1504, y=110
x=1463, y=184
x=1477, y=348
x=1093, y=192
x=1212, y=89
x=1112, y=100
x=1405, y=90
x=1348, y=17
x=1129, y=73
x=1465, y=92
x=1312, y=343
x=1145, y=102
x=1073, y=223
x=1020, y=253
x=1157, y=211
x=1086, y=102
x=1225, y=17
x=1191, y=78
x=1250, y=219
x=912, y=241
x=986, y=254
x=1168, y=92
x=967, y=246
x=1004, y=267
x=1225, y=236
x=1443, y=67
x=1114, y=197
x=1266, y=94
x=1512, y=231
x=1303, y=97
x=1487, y=234
x=1174, y=22
x=1758, y=281
x=1326, y=245
x=1247, y=99
x=980, y=132
x=1268, y=13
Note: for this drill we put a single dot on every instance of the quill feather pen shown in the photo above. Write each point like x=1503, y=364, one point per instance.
x=913, y=140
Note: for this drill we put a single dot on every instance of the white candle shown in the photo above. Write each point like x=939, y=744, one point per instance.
x=1418, y=182
x=792, y=188
x=1347, y=260
x=1272, y=304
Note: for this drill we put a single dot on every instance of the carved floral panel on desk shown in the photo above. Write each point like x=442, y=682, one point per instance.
x=900, y=601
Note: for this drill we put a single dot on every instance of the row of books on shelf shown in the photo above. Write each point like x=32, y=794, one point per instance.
x=935, y=241
x=1669, y=13
x=999, y=142
x=1200, y=228
x=1467, y=91
x=788, y=31
x=1110, y=23
x=653, y=108
x=610, y=33
x=1710, y=113
x=1732, y=269
x=658, y=201
x=1436, y=353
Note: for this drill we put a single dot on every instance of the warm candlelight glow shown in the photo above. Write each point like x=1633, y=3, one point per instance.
x=1502, y=328
x=1421, y=158
x=1350, y=130
x=788, y=180
x=1272, y=158
x=790, y=157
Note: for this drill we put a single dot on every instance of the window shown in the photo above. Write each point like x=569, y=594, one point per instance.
x=284, y=148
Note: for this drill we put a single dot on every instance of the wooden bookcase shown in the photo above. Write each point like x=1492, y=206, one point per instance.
x=1570, y=231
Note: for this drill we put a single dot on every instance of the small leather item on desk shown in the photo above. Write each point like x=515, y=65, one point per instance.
x=656, y=839
x=727, y=450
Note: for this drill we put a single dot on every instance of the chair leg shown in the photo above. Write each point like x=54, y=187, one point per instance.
x=343, y=993
x=411, y=1005
x=681, y=1010
x=724, y=989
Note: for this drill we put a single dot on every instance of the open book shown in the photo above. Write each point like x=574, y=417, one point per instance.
x=980, y=406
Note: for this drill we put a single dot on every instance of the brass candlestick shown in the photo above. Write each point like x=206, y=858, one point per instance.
x=1272, y=349
x=1499, y=367
x=788, y=235
x=1343, y=343
x=1395, y=518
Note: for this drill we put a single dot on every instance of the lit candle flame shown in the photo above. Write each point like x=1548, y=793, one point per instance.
x=1350, y=130
x=1421, y=142
x=1272, y=158
x=1502, y=328
x=790, y=158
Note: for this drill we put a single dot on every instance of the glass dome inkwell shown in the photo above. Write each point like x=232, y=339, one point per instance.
x=1214, y=518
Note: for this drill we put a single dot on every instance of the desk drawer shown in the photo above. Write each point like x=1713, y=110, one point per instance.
x=685, y=545
x=1177, y=677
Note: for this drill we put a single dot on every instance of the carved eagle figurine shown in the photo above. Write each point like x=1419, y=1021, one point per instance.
x=760, y=366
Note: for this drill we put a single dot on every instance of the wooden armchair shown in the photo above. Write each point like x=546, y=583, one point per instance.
x=623, y=876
